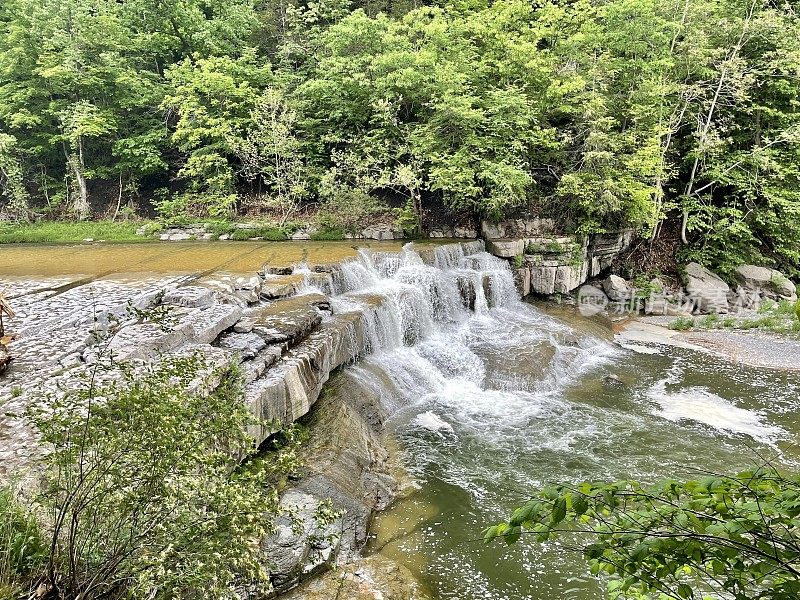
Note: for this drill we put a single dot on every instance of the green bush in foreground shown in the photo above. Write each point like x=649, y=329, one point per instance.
x=22, y=547
x=722, y=536
x=143, y=490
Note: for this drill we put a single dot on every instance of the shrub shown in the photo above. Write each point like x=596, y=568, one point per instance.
x=266, y=232
x=22, y=547
x=328, y=234
x=797, y=309
x=141, y=480
x=682, y=324
x=181, y=209
x=348, y=209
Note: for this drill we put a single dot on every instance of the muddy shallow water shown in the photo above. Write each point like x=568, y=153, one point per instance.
x=43, y=260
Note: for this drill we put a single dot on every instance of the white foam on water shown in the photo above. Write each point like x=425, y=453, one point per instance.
x=702, y=406
x=432, y=422
x=641, y=349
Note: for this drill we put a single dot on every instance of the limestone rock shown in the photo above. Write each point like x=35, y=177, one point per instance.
x=208, y=323
x=288, y=320
x=616, y=288
x=543, y=279
x=190, y=295
x=770, y=283
x=145, y=340
x=382, y=232
x=522, y=279
x=506, y=248
x=246, y=344
x=706, y=289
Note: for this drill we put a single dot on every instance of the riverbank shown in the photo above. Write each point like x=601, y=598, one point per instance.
x=759, y=349
x=60, y=232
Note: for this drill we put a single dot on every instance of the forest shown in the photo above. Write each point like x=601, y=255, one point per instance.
x=674, y=117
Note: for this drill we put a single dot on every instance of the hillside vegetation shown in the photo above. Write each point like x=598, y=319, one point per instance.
x=596, y=113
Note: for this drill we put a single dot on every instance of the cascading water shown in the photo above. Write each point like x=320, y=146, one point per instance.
x=491, y=397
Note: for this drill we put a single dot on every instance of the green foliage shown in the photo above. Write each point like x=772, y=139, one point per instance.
x=682, y=324
x=600, y=115
x=22, y=546
x=328, y=234
x=518, y=261
x=140, y=477
x=265, y=232
x=736, y=536
x=348, y=210
x=50, y=231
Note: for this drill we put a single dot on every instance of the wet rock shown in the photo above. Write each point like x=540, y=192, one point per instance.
x=276, y=270
x=190, y=295
x=706, y=288
x=288, y=320
x=208, y=323
x=522, y=279
x=346, y=464
x=466, y=289
x=300, y=548
x=616, y=288
x=371, y=578
x=246, y=344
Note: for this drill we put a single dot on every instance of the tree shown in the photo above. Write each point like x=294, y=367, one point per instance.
x=270, y=153
x=12, y=185
x=211, y=101
x=735, y=536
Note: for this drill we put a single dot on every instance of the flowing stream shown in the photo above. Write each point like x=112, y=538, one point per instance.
x=487, y=405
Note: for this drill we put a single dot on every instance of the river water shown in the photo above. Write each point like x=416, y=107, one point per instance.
x=489, y=405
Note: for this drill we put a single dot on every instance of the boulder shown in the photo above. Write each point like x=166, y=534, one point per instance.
x=591, y=300
x=616, y=288
x=770, y=283
x=382, y=232
x=706, y=289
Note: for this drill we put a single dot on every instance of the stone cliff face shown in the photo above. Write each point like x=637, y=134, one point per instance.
x=547, y=263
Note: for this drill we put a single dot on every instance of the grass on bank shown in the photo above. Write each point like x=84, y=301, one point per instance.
x=71, y=231
x=776, y=317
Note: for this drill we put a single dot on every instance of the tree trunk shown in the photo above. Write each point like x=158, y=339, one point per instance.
x=80, y=205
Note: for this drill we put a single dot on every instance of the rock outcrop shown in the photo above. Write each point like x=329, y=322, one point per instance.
x=555, y=265
x=763, y=282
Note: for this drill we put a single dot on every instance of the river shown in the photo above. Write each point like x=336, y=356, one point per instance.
x=487, y=405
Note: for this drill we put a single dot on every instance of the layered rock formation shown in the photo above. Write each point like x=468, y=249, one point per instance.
x=547, y=263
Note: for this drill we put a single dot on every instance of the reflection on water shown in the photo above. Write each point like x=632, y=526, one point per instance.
x=491, y=407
